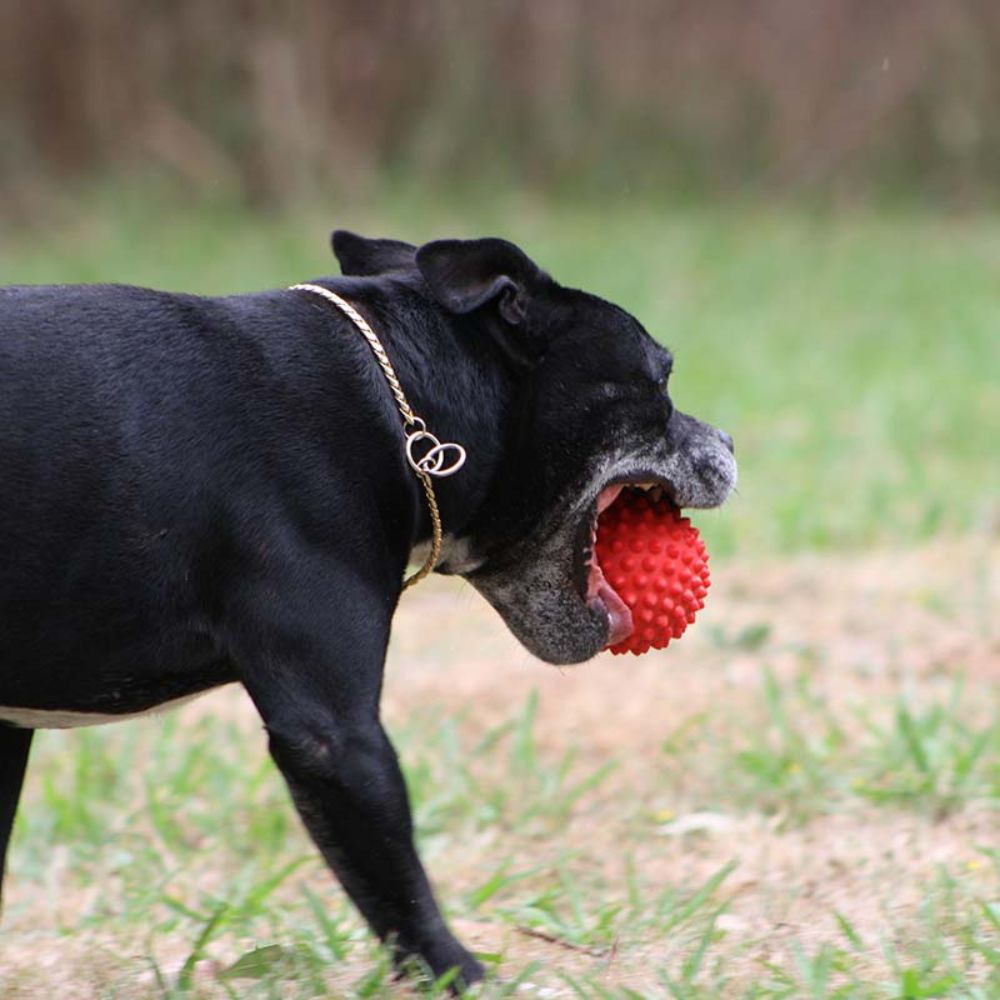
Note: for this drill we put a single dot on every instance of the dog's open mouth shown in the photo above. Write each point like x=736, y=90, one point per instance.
x=597, y=593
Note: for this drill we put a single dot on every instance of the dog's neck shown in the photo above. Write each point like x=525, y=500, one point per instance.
x=456, y=380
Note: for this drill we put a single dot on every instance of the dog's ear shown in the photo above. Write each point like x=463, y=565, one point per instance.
x=464, y=275
x=360, y=256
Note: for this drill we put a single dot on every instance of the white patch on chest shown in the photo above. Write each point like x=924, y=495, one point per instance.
x=42, y=718
x=456, y=554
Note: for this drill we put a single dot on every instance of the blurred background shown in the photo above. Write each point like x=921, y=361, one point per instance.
x=276, y=101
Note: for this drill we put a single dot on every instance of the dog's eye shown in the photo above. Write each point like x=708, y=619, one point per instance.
x=663, y=390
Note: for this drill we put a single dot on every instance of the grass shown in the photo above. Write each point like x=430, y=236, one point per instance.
x=803, y=757
x=782, y=816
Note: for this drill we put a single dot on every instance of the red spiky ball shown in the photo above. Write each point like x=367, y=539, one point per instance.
x=656, y=561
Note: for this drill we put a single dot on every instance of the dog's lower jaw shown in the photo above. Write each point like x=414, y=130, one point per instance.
x=543, y=611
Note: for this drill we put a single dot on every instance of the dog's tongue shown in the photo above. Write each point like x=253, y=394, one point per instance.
x=602, y=594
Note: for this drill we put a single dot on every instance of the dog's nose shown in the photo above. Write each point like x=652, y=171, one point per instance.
x=727, y=440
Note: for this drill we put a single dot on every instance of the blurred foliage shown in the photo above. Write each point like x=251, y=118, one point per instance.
x=278, y=100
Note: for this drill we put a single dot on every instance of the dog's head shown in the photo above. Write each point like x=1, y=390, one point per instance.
x=591, y=414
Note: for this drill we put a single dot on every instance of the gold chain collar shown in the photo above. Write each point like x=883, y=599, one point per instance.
x=439, y=459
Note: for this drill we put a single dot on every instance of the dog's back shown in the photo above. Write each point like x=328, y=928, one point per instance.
x=109, y=424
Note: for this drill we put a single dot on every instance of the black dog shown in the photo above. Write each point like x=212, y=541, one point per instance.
x=196, y=491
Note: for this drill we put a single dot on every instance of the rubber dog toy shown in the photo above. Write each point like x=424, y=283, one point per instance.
x=657, y=563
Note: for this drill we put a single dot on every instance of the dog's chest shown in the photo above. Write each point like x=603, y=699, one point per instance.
x=457, y=555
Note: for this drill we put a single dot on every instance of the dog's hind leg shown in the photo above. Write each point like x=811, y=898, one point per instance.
x=14, y=747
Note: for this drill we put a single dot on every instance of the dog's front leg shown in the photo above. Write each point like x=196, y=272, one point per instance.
x=315, y=675
x=346, y=783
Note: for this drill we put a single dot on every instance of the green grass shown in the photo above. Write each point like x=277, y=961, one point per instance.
x=854, y=358
x=801, y=757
